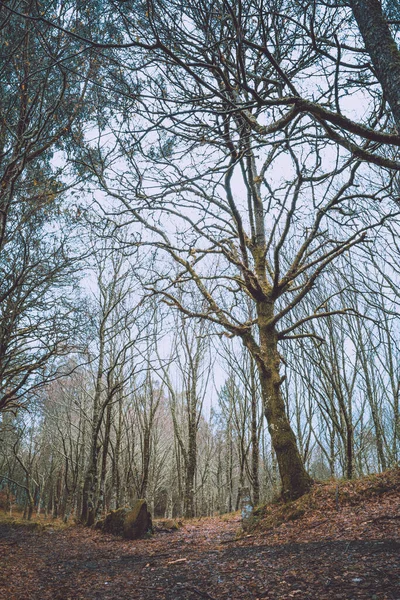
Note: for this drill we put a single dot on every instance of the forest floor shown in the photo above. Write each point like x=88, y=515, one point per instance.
x=336, y=543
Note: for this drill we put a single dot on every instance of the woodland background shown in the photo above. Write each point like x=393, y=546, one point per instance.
x=199, y=280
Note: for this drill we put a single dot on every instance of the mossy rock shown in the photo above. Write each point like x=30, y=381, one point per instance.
x=114, y=522
x=131, y=524
x=167, y=525
x=99, y=525
x=137, y=522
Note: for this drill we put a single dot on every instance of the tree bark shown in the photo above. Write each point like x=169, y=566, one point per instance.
x=190, y=465
x=295, y=479
x=101, y=502
x=383, y=50
x=255, y=450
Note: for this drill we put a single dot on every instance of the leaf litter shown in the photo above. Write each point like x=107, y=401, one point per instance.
x=334, y=543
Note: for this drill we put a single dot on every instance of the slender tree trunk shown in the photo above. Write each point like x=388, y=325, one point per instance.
x=102, y=488
x=229, y=470
x=91, y=480
x=191, y=463
x=349, y=451
x=115, y=477
x=332, y=452
x=255, y=449
x=347, y=433
x=396, y=425
x=241, y=481
x=146, y=453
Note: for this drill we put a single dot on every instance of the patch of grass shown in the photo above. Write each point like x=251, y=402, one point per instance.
x=227, y=517
x=167, y=525
x=40, y=523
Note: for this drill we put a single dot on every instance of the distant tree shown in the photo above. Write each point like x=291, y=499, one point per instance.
x=116, y=333
x=187, y=384
x=243, y=394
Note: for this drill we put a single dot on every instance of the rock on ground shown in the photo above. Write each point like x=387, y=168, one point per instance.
x=131, y=524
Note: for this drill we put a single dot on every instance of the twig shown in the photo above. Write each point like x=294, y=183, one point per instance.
x=318, y=524
x=200, y=592
x=179, y=560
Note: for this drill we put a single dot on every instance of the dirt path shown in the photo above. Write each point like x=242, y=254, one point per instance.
x=201, y=560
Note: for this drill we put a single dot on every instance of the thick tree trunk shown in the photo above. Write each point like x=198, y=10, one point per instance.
x=91, y=479
x=294, y=478
x=383, y=50
x=29, y=506
x=189, y=488
x=241, y=481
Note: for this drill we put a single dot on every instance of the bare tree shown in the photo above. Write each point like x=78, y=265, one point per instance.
x=117, y=328
x=192, y=370
x=41, y=106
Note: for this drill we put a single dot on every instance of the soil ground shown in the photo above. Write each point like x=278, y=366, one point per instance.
x=350, y=553
x=201, y=560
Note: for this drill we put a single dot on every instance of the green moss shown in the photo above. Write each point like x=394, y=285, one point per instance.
x=168, y=525
x=134, y=513
x=114, y=522
x=137, y=522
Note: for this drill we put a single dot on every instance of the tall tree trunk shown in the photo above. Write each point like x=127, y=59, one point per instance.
x=349, y=451
x=90, y=487
x=115, y=476
x=103, y=472
x=255, y=449
x=332, y=453
x=91, y=479
x=146, y=453
x=383, y=50
x=294, y=478
x=229, y=469
x=190, y=467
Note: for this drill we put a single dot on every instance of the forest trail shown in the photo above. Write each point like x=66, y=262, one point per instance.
x=353, y=553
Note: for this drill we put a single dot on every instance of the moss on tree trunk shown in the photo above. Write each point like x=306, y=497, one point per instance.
x=294, y=478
